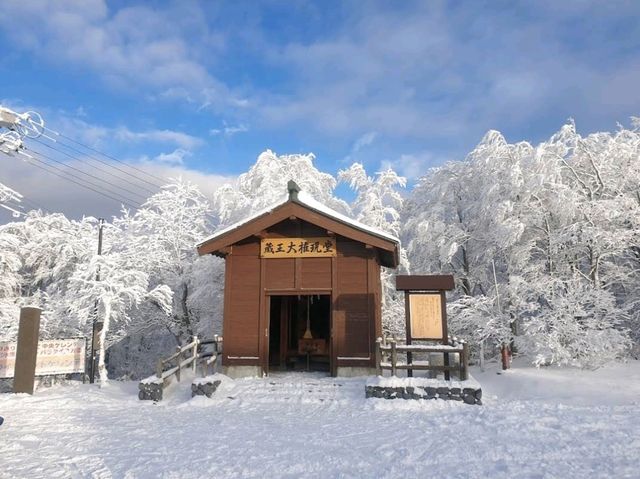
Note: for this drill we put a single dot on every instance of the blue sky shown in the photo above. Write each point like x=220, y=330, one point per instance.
x=204, y=87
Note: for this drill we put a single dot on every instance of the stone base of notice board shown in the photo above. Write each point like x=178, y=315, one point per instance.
x=468, y=391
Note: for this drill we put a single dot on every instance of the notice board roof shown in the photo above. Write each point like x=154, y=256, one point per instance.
x=432, y=282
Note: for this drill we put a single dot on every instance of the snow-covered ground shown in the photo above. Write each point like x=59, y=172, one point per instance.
x=554, y=423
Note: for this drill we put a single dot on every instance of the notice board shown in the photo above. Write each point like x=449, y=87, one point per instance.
x=425, y=316
x=55, y=356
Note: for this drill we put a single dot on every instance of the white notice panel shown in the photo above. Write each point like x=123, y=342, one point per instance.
x=55, y=356
x=425, y=316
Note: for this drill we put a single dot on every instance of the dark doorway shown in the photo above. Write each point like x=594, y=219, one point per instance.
x=300, y=333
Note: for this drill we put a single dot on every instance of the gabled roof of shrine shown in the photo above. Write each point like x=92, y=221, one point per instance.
x=303, y=206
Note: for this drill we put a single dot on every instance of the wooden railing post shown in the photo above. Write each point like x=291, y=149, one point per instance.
x=178, y=352
x=464, y=362
x=385, y=353
x=447, y=374
x=195, y=354
x=378, y=357
x=159, y=367
x=394, y=356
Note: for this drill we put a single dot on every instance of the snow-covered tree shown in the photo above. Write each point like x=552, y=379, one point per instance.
x=120, y=287
x=543, y=240
x=46, y=249
x=524, y=228
x=162, y=235
x=266, y=183
x=378, y=203
x=10, y=281
x=576, y=324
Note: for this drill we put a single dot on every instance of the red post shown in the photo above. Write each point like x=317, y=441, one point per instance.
x=506, y=356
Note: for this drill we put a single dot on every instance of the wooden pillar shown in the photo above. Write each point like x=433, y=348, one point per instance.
x=407, y=314
x=263, y=321
x=336, y=317
x=394, y=357
x=27, y=350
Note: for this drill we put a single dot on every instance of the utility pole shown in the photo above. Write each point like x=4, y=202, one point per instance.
x=97, y=326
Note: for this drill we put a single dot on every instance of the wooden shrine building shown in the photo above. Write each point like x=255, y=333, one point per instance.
x=302, y=289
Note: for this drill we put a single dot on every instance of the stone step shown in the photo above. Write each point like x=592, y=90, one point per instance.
x=284, y=389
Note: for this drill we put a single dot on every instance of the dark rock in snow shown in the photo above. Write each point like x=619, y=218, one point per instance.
x=469, y=399
x=430, y=392
x=150, y=391
x=205, y=388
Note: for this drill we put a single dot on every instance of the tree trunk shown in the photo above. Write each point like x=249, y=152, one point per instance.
x=466, y=285
x=102, y=369
x=186, y=318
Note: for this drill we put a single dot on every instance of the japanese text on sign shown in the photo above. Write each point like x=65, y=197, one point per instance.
x=297, y=247
x=55, y=356
x=426, y=316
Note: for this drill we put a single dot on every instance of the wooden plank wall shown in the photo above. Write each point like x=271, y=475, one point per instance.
x=356, y=295
x=242, y=304
x=355, y=314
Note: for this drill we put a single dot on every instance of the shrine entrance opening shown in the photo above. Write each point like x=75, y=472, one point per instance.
x=300, y=332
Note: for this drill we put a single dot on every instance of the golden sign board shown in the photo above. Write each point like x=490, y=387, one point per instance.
x=298, y=247
x=426, y=316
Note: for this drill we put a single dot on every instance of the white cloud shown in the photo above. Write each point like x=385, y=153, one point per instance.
x=176, y=157
x=433, y=70
x=413, y=165
x=228, y=131
x=181, y=139
x=419, y=72
x=136, y=47
x=362, y=142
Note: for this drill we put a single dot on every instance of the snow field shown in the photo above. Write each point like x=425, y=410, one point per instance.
x=534, y=424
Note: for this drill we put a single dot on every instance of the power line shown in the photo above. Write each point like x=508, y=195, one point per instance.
x=163, y=180
x=31, y=125
x=66, y=165
x=119, y=200
x=132, y=201
x=34, y=205
x=109, y=165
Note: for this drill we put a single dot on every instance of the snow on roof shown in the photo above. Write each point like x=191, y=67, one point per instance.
x=307, y=200
x=237, y=225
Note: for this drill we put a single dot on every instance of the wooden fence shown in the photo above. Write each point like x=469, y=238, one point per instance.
x=189, y=355
x=387, y=351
